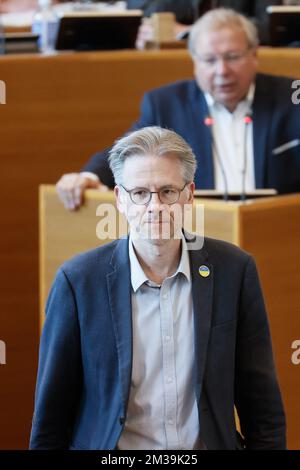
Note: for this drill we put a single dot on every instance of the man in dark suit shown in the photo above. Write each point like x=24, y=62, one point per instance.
x=150, y=341
x=254, y=139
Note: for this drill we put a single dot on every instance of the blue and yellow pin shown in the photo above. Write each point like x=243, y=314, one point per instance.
x=204, y=271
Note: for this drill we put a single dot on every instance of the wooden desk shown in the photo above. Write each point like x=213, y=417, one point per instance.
x=59, y=110
x=268, y=228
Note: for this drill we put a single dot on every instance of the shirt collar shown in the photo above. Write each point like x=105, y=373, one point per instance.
x=212, y=103
x=138, y=277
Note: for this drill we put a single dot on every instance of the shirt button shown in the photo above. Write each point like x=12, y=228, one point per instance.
x=170, y=421
x=165, y=296
x=168, y=338
x=170, y=380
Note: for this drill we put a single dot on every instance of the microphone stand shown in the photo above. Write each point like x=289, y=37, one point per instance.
x=208, y=121
x=247, y=121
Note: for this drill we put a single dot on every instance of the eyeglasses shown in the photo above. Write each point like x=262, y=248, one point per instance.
x=231, y=58
x=142, y=196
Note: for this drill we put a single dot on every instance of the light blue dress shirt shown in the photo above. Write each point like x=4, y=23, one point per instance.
x=233, y=144
x=162, y=409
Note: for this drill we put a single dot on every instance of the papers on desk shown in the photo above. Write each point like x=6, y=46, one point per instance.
x=16, y=43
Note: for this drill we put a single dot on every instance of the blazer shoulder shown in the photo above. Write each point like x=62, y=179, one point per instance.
x=181, y=87
x=88, y=262
x=221, y=250
x=274, y=83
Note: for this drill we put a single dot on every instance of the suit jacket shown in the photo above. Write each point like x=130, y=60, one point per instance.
x=86, y=353
x=182, y=107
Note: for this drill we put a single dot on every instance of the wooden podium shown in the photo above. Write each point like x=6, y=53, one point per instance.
x=267, y=228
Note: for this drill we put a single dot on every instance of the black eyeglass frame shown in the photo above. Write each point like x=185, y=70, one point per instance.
x=130, y=191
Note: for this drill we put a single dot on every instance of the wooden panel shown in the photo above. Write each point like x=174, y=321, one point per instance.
x=271, y=232
x=279, y=61
x=220, y=220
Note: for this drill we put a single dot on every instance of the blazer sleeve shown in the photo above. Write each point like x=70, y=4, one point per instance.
x=257, y=395
x=98, y=163
x=59, y=373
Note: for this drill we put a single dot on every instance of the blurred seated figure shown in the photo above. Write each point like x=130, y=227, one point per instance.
x=187, y=12
x=242, y=126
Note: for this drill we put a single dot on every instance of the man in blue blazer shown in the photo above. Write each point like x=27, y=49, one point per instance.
x=151, y=340
x=263, y=152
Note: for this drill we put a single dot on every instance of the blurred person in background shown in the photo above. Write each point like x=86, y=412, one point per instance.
x=233, y=153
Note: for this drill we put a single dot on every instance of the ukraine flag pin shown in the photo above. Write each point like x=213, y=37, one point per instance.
x=204, y=271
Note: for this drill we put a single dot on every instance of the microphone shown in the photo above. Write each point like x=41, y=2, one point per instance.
x=247, y=120
x=209, y=122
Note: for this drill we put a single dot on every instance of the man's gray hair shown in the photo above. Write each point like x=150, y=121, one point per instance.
x=156, y=141
x=219, y=18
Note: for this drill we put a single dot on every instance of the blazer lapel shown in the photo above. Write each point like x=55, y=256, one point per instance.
x=262, y=112
x=200, y=139
x=119, y=293
x=202, y=291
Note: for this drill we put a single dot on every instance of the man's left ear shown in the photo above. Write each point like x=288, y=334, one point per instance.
x=191, y=188
x=119, y=199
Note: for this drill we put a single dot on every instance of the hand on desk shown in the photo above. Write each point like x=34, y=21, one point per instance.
x=146, y=32
x=71, y=186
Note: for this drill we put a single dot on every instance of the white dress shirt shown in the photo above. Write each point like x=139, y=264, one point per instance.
x=162, y=410
x=233, y=148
